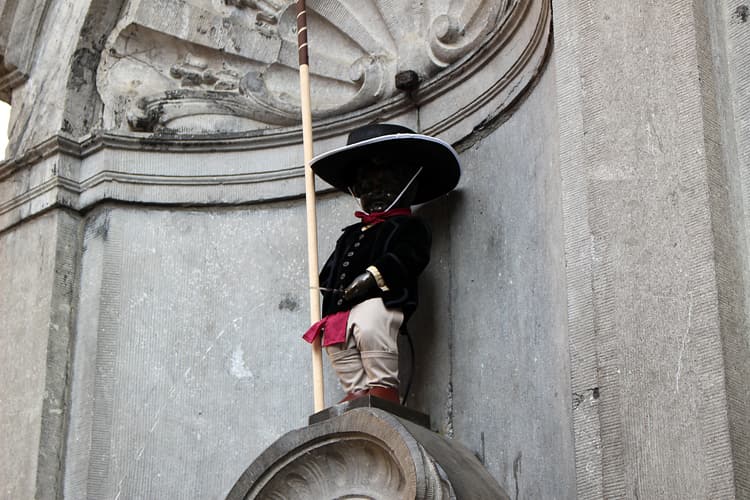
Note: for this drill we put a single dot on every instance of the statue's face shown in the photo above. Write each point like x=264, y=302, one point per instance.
x=377, y=186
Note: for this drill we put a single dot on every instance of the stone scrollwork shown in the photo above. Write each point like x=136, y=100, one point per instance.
x=278, y=109
x=198, y=66
x=197, y=74
x=199, y=61
x=464, y=25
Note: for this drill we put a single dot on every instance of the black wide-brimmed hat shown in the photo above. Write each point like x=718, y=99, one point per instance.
x=395, y=145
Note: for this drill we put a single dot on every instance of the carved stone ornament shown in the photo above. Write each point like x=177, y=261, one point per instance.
x=213, y=66
x=196, y=101
x=366, y=453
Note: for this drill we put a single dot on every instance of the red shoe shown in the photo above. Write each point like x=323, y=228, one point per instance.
x=387, y=393
x=355, y=395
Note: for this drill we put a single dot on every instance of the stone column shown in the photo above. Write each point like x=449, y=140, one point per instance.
x=656, y=246
x=37, y=264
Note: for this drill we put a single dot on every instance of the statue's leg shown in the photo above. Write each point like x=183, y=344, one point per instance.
x=347, y=364
x=381, y=368
x=375, y=330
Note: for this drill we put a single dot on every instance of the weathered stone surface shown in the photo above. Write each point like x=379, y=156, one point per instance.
x=187, y=360
x=655, y=302
x=20, y=28
x=37, y=263
x=727, y=26
x=24, y=321
x=366, y=453
x=38, y=104
x=492, y=366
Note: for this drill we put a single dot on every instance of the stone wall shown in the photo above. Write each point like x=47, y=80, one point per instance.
x=38, y=265
x=188, y=361
x=492, y=365
x=655, y=254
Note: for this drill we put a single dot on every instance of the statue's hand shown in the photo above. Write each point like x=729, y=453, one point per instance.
x=359, y=287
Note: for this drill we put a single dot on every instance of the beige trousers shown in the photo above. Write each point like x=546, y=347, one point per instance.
x=369, y=357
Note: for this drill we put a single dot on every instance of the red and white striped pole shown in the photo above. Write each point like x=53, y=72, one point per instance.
x=312, y=230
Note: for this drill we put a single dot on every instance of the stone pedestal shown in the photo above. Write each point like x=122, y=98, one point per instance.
x=366, y=453
x=396, y=409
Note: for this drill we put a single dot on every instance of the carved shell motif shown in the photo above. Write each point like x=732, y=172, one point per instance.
x=231, y=65
x=353, y=466
x=356, y=468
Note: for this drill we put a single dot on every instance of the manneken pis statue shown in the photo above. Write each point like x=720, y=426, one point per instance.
x=370, y=280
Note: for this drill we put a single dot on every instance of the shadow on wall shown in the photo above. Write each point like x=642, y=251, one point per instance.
x=4, y=119
x=431, y=376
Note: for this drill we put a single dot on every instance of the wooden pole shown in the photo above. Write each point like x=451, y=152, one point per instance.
x=312, y=230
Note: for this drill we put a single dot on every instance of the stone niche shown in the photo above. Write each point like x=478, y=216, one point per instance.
x=168, y=127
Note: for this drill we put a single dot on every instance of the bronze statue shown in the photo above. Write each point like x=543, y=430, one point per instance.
x=370, y=280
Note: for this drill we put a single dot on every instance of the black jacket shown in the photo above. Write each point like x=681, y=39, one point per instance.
x=399, y=247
